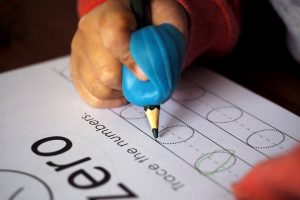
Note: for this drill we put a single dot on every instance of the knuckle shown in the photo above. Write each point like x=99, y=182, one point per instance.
x=99, y=90
x=82, y=24
x=110, y=75
x=120, y=18
x=114, y=38
x=107, y=75
x=125, y=56
x=118, y=34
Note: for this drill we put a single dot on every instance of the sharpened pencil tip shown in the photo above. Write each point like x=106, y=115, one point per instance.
x=155, y=132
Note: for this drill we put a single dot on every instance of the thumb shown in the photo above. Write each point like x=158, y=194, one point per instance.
x=171, y=12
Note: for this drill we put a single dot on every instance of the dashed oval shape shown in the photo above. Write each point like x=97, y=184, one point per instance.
x=188, y=93
x=267, y=138
x=224, y=114
x=133, y=112
x=175, y=134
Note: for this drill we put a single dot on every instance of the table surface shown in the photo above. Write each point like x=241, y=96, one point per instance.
x=33, y=31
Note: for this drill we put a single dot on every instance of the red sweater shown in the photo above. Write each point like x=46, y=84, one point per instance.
x=213, y=25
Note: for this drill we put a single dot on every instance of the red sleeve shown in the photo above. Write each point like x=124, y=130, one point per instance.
x=84, y=6
x=213, y=25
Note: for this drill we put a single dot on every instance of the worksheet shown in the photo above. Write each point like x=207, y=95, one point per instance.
x=55, y=147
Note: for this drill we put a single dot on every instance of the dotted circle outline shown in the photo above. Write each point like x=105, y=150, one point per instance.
x=211, y=153
x=283, y=138
x=193, y=132
x=130, y=118
x=220, y=122
x=194, y=98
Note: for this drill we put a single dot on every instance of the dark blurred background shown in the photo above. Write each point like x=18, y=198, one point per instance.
x=37, y=30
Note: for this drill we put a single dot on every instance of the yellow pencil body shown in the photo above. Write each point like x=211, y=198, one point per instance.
x=152, y=114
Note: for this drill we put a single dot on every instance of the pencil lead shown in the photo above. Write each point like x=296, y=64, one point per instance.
x=155, y=132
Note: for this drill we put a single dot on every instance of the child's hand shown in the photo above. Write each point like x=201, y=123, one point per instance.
x=101, y=46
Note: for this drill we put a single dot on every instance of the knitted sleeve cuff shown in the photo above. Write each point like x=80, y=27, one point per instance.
x=213, y=27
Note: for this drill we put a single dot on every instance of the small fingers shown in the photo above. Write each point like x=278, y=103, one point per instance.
x=93, y=84
x=96, y=74
x=99, y=71
x=90, y=89
x=105, y=67
x=95, y=102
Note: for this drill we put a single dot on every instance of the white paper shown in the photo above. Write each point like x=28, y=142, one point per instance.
x=54, y=146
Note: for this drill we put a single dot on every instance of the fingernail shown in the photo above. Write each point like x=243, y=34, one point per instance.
x=140, y=74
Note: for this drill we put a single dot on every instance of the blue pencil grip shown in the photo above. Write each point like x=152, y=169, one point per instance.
x=159, y=52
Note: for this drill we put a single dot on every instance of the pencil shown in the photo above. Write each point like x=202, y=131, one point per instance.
x=152, y=113
x=142, y=13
